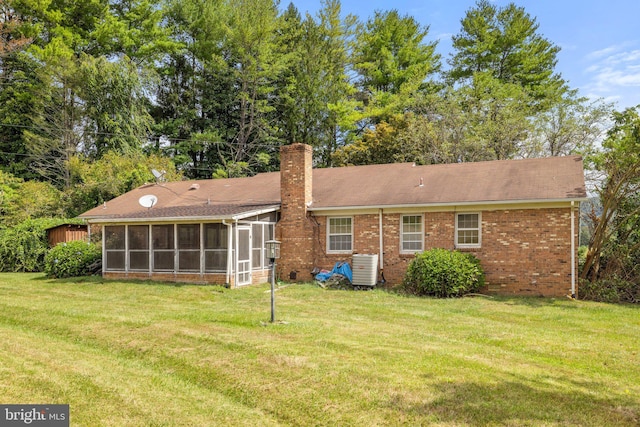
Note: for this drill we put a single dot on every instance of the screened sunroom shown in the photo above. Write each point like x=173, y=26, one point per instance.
x=230, y=252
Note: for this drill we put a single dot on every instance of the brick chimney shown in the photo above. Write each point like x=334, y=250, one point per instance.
x=294, y=229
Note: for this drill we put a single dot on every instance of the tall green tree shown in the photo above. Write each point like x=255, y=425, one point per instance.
x=136, y=29
x=16, y=72
x=314, y=92
x=250, y=47
x=115, y=106
x=499, y=115
x=88, y=106
x=198, y=99
x=393, y=66
x=337, y=91
x=86, y=94
x=298, y=104
x=394, y=62
x=18, y=103
x=505, y=71
x=504, y=43
x=56, y=130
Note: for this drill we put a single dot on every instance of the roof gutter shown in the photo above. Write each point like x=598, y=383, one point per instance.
x=112, y=220
x=447, y=204
x=256, y=212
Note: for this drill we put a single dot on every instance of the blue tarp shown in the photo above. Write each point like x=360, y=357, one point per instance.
x=342, y=268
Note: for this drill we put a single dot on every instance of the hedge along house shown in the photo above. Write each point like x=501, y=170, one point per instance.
x=519, y=217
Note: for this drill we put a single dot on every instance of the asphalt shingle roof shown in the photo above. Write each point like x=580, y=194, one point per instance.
x=400, y=184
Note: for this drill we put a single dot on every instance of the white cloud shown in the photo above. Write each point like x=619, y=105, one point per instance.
x=444, y=36
x=614, y=73
x=602, y=52
x=623, y=58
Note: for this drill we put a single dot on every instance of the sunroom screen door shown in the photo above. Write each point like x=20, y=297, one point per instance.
x=244, y=256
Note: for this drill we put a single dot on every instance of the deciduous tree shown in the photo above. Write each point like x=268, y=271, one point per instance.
x=617, y=185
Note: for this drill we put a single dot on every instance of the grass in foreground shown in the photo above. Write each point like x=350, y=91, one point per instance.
x=154, y=355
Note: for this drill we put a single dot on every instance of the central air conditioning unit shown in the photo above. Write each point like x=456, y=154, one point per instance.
x=365, y=270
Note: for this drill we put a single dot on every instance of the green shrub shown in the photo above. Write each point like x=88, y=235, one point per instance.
x=442, y=273
x=71, y=259
x=23, y=247
x=613, y=290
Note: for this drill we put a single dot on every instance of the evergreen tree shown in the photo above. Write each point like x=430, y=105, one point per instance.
x=505, y=72
x=392, y=56
x=194, y=89
x=114, y=105
x=504, y=44
x=314, y=89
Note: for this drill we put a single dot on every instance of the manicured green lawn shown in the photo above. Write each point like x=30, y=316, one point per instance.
x=143, y=354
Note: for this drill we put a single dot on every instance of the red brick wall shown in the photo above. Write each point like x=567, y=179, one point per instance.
x=196, y=278
x=524, y=251
x=528, y=252
x=257, y=277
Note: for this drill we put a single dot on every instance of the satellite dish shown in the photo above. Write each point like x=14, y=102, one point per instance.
x=158, y=174
x=148, y=201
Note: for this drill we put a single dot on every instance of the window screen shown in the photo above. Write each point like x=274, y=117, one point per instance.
x=163, y=247
x=114, y=245
x=114, y=237
x=215, y=244
x=138, y=247
x=189, y=247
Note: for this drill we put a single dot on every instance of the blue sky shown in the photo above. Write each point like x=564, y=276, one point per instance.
x=599, y=39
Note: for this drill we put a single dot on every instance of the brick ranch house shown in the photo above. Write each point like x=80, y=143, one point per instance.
x=519, y=217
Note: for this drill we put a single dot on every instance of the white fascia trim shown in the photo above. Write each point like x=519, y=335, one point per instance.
x=248, y=214
x=171, y=220
x=450, y=204
x=97, y=220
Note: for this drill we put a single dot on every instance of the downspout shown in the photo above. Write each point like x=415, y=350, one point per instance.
x=229, y=251
x=381, y=257
x=573, y=251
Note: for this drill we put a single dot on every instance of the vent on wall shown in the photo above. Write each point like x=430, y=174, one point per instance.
x=365, y=270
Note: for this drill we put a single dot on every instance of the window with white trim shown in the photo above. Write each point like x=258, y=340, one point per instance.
x=411, y=235
x=468, y=230
x=340, y=234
